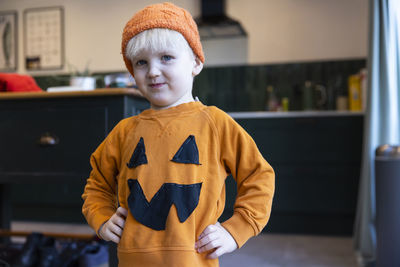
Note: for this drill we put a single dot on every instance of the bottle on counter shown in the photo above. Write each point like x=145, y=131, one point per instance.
x=342, y=103
x=308, y=96
x=272, y=103
x=355, y=102
x=285, y=104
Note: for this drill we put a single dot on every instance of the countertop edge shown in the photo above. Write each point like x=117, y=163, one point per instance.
x=293, y=114
x=136, y=93
x=83, y=93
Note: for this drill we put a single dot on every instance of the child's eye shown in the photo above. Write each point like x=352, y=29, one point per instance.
x=166, y=58
x=140, y=62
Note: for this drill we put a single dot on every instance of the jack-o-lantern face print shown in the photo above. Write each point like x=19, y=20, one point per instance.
x=185, y=197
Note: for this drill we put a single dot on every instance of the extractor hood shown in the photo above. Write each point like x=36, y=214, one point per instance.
x=213, y=22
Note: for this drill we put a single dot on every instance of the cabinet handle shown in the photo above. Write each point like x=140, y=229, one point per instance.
x=48, y=139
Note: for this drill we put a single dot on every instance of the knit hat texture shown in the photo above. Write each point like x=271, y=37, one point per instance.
x=163, y=15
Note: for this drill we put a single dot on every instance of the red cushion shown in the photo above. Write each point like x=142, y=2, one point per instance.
x=12, y=82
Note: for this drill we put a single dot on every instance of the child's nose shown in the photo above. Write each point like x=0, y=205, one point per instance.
x=154, y=71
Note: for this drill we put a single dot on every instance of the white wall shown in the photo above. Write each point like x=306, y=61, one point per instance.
x=303, y=30
x=279, y=30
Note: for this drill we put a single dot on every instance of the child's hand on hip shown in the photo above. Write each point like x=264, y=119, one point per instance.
x=112, y=229
x=215, y=238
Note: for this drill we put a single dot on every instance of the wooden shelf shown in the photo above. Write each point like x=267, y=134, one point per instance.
x=83, y=93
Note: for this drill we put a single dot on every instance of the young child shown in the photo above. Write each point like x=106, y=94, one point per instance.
x=157, y=187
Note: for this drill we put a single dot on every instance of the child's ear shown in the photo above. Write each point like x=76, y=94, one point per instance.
x=198, y=66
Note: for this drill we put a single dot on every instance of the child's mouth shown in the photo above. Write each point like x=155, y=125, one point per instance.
x=156, y=85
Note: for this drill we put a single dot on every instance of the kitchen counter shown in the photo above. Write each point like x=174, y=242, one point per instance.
x=135, y=92
x=64, y=94
x=293, y=114
x=56, y=132
x=46, y=142
x=316, y=156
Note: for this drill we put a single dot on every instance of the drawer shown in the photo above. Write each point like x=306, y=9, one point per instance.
x=310, y=189
x=48, y=194
x=307, y=140
x=76, y=133
x=316, y=189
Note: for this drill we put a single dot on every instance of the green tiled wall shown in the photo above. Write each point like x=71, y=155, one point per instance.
x=243, y=88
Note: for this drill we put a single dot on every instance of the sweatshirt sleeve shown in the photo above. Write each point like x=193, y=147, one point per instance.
x=100, y=197
x=254, y=176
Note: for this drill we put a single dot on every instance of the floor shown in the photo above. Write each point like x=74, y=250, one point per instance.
x=266, y=250
x=273, y=250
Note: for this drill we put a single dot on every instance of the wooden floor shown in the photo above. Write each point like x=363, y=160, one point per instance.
x=266, y=250
x=273, y=250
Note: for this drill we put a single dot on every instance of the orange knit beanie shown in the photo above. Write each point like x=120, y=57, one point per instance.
x=165, y=15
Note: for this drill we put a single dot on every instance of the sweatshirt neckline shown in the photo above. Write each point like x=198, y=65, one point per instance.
x=172, y=111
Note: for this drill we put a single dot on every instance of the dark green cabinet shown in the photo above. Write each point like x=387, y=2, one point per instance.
x=316, y=160
x=317, y=164
x=45, y=146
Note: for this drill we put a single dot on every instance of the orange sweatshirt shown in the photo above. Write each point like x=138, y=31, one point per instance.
x=168, y=169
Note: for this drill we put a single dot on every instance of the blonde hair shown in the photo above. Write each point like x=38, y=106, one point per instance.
x=156, y=39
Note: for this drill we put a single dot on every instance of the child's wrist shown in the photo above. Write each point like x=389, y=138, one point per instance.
x=99, y=231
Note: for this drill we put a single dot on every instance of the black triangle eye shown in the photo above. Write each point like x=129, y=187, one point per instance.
x=188, y=153
x=138, y=156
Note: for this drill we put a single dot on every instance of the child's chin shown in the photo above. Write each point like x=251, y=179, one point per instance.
x=160, y=105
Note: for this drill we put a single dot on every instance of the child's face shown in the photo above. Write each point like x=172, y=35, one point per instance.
x=165, y=77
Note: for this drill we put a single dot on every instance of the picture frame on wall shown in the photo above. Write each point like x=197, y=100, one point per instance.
x=8, y=41
x=44, y=38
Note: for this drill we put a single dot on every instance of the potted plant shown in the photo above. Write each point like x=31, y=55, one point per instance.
x=82, y=79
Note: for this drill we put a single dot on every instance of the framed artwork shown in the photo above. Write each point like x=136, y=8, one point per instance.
x=44, y=38
x=8, y=42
